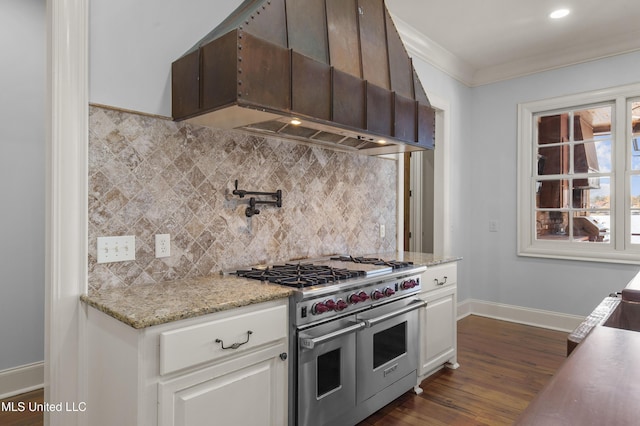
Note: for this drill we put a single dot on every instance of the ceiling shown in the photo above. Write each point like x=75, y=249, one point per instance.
x=480, y=42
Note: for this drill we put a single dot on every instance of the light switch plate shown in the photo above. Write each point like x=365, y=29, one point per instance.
x=116, y=249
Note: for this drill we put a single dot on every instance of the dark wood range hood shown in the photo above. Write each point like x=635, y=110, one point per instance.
x=337, y=67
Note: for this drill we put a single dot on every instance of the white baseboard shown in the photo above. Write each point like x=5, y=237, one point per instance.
x=21, y=379
x=518, y=314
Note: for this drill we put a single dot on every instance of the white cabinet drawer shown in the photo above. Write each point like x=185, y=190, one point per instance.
x=439, y=276
x=200, y=343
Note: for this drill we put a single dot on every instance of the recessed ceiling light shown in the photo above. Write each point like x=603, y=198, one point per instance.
x=560, y=13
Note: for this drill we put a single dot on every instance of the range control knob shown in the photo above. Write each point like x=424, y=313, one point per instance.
x=354, y=298
x=357, y=297
x=341, y=305
x=330, y=304
x=409, y=284
x=388, y=291
x=319, y=308
x=363, y=296
x=377, y=294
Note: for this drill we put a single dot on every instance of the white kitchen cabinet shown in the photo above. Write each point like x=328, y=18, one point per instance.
x=178, y=374
x=438, y=345
x=247, y=390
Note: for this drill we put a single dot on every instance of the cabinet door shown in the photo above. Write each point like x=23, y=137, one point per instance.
x=245, y=392
x=438, y=339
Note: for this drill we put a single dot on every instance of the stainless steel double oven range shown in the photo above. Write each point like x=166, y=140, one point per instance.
x=354, y=335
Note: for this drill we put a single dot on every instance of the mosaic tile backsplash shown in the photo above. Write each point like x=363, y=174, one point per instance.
x=149, y=175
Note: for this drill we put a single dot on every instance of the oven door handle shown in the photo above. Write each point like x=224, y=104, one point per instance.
x=311, y=342
x=416, y=304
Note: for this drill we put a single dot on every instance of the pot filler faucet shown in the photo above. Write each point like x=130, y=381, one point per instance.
x=253, y=202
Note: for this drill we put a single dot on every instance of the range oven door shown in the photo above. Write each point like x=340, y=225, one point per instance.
x=327, y=371
x=387, y=347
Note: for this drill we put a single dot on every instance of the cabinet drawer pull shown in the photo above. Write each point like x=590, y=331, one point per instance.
x=440, y=282
x=237, y=344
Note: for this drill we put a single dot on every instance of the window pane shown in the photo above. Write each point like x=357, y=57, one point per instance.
x=552, y=225
x=553, y=160
x=588, y=123
x=635, y=138
x=635, y=226
x=581, y=191
x=592, y=157
x=553, y=194
x=635, y=191
x=592, y=193
x=553, y=129
x=635, y=210
x=591, y=228
x=635, y=153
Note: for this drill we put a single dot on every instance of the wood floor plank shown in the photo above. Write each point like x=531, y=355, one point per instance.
x=27, y=417
x=503, y=366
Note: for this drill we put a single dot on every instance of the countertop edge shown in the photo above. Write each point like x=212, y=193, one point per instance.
x=419, y=259
x=444, y=261
x=139, y=324
x=136, y=307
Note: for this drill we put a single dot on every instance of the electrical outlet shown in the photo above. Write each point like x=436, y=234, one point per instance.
x=493, y=226
x=116, y=249
x=163, y=245
x=382, y=231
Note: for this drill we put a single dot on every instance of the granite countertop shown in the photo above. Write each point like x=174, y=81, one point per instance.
x=147, y=305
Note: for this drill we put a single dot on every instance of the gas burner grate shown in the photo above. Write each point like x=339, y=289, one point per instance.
x=299, y=275
x=394, y=264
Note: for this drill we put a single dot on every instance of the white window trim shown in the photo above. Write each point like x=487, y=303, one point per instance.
x=619, y=251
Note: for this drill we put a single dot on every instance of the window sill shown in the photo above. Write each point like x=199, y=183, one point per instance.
x=584, y=254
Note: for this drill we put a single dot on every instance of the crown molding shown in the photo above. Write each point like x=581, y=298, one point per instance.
x=557, y=59
x=420, y=46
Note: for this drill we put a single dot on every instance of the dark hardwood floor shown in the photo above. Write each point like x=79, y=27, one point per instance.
x=502, y=367
x=26, y=417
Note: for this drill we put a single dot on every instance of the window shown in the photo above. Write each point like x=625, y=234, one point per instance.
x=579, y=176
